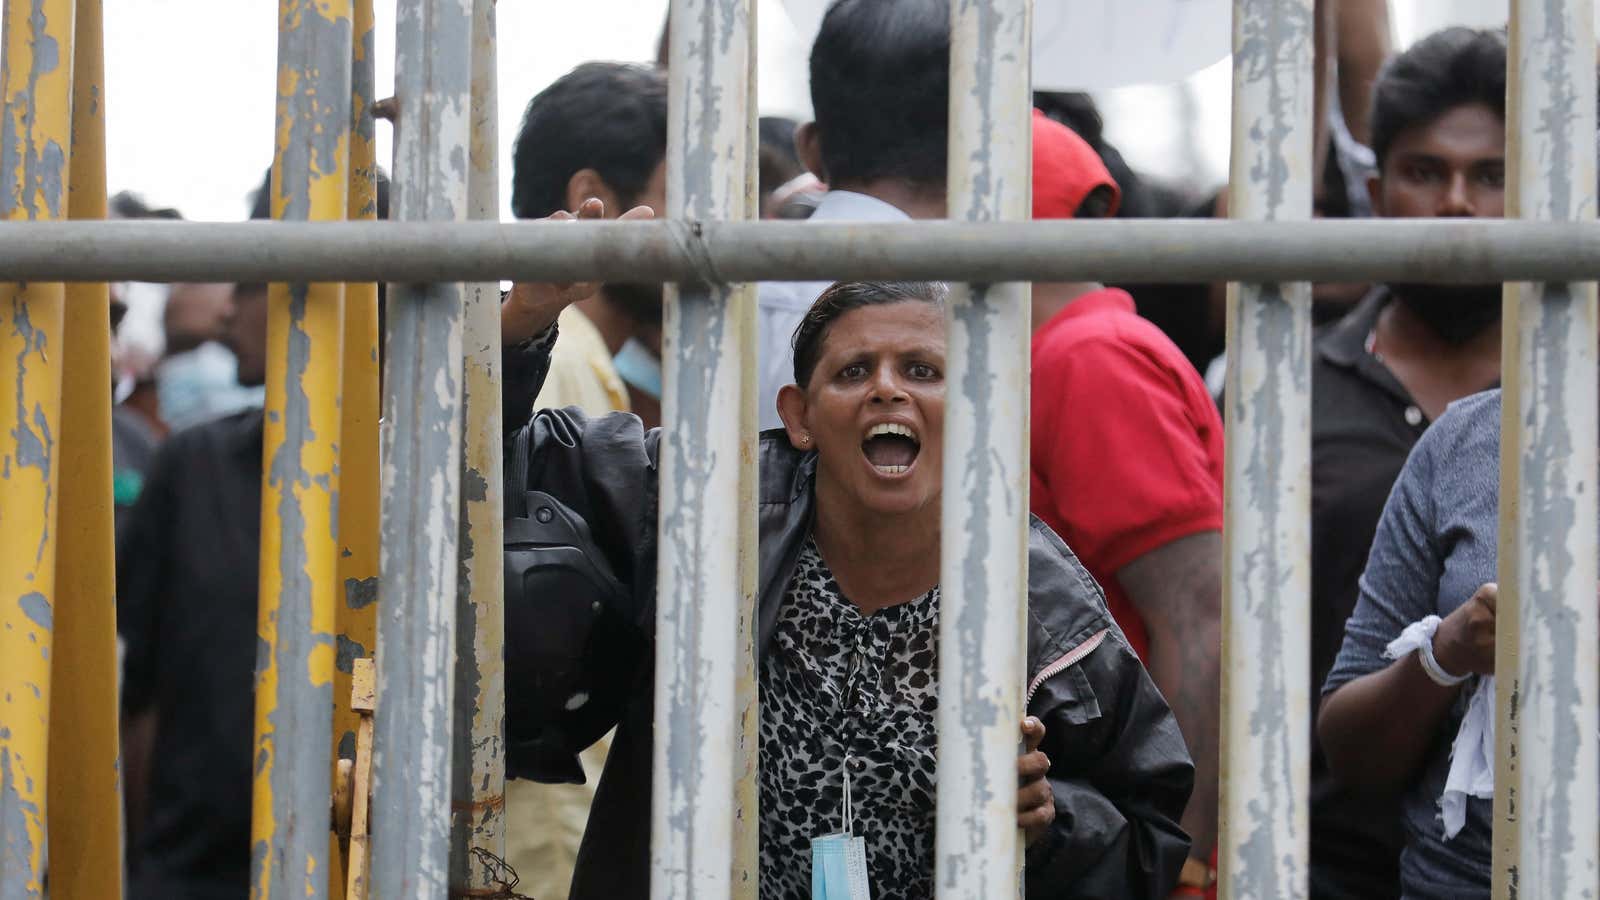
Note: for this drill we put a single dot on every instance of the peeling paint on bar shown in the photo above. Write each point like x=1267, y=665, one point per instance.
x=699, y=574
x=32, y=146
x=86, y=812
x=1266, y=725
x=363, y=592
x=1548, y=760
x=356, y=618
x=479, y=777
x=35, y=104
x=421, y=444
x=746, y=872
x=984, y=572
x=299, y=514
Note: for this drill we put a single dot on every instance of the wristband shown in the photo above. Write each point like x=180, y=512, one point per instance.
x=1430, y=664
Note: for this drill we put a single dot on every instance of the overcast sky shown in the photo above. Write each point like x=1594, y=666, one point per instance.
x=190, y=84
x=189, y=87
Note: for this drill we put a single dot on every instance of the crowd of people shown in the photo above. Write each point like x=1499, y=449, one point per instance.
x=1119, y=764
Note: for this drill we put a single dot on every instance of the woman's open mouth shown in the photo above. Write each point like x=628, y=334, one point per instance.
x=891, y=448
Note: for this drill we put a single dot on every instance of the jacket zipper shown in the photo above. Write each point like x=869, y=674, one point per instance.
x=1065, y=662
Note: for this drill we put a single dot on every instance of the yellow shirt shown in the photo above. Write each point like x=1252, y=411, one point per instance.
x=581, y=371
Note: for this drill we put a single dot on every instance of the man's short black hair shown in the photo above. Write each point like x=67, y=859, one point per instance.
x=880, y=87
x=129, y=205
x=610, y=117
x=1447, y=69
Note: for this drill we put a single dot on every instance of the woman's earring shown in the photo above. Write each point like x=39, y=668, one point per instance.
x=805, y=439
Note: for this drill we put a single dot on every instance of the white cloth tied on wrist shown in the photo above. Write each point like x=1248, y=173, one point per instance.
x=1418, y=637
x=1472, y=754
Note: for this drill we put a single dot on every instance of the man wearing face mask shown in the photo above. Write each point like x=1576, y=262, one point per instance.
x=1387, y=370
x=600, y=131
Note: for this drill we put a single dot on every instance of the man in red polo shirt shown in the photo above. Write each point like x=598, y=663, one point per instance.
x=1127, y=468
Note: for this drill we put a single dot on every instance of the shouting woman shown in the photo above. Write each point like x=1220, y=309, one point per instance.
x=847, y=627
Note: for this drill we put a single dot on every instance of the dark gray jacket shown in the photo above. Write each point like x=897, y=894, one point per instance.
x=1119, y=767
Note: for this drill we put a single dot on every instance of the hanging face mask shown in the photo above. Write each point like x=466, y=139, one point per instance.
x=839, y=861
x=640, y=368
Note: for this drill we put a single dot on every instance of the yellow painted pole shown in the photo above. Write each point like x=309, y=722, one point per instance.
x=84, y=787
x=300, y=484
x=356, y=615
x=35, y=140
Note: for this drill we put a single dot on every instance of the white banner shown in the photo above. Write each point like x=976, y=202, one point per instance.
x=1095, y=45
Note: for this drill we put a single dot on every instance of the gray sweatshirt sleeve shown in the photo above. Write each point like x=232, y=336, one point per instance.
x=1401, y=582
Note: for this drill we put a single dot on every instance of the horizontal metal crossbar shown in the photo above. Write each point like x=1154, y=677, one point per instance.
x=1142, y=250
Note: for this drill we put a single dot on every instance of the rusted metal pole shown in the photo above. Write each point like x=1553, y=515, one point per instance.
x=747, y=692
x=983, y=574
x=1445, y=251
x=35, y=139
x=1546, y=841
x=479, y=781
x=704, y=459
x=355, y=612
x=85, y=789
x=289, y=853
x=1266, y=715
x=421, y=444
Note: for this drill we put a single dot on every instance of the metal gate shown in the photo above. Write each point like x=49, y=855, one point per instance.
x=439, y=769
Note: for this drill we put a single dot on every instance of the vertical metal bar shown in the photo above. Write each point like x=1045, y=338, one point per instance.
x=35, y=137
x=1267, y=547
x=478, y=837
x=983, y=573
x=300, y=470
x=747, y=694
x=421, y=443
x=1548, y=758
x=355, y=612
x=84, y=789
x=704, y=457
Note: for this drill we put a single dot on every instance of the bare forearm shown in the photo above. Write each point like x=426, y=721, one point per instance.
x=1325, y=38
x=1177, y=589
x=1363, y=46
x=1377, y=729
x=1187, y=670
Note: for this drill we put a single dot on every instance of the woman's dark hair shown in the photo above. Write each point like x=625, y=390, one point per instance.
x=610, y=117
x=880, y=88
x=843, y=297
x=1445, y=70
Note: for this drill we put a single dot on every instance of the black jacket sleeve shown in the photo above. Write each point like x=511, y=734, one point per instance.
x=1121, y=775
x=523, y=368
x=580, y=572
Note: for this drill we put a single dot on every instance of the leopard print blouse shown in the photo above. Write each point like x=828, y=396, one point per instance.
x=836, y=683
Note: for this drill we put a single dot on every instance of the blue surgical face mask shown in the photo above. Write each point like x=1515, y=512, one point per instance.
x=640, y=368
x=839, y=861
x=201, y=384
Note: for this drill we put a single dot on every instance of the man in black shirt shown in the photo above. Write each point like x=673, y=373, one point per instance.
x=1382, y=374
x=186, y=609
x=187, y=563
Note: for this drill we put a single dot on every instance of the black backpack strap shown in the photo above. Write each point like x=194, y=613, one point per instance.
x=517, y=478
